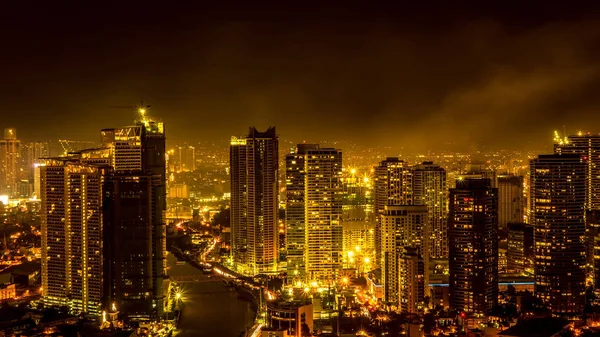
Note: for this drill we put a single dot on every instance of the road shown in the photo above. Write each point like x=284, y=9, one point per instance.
x=209, y=309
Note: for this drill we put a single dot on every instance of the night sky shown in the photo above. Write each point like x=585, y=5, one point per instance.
x=413, y=76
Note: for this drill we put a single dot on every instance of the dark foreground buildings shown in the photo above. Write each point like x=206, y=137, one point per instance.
x=473, y=246
x=103, y=229
x=557, y=199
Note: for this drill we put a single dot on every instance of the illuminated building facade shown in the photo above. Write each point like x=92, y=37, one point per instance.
x=295, y=214
x=413, y=281
x=473, y=246
x=358, y=244
x=323, y=207
x=10, y=163
x=72, y=235
x=254, y=166
x=393, y=186
x=557, y=198
x=430, y=189
x=405, y=230
x=519, y=255
x=587, y=146
x=510, y=200
x=592, y=234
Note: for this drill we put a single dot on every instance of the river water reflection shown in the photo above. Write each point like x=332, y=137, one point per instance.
x=209, y=309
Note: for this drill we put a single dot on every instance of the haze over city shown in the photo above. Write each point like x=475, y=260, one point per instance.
x=418, y=76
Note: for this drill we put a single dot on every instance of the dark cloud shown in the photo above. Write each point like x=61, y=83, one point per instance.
x=412, y=76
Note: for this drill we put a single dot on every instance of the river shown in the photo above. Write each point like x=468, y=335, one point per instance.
x=209, y=309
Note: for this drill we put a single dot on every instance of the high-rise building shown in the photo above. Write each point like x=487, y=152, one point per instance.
x=72, y=235
x=33, y=152
x=519, y=255
x=587, y=146
x=473, y=246
x=510, y=200
x=137, y=158
x=393, y=186
x=103, y=224
x=10, y=163
x=430, y=189
x=129, y=245
x=313, y=212
x=592, y=240
x=413, y=281
x=254, y=165
x=557, y=198
x=187, y=156
x=404, y=230
x=477, y=170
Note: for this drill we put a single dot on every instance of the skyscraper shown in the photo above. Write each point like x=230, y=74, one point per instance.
x=405, y=255
x=137, y=157
x=295, y=210
x=314, y=210
x=34, y=151
x=592, y=234
x=430, y=189
x=187, y=155
x=473, y=246
x=557, y=198
x=254, y=166
x=10, y=163
x=587, y=146
x=72, y=235
x=393, y=186
x=519, y=255
x=478, y=169
x=510, y=200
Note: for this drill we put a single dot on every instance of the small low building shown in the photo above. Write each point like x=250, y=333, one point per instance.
x=537, y=327
x=7, y=291
x=290, y=316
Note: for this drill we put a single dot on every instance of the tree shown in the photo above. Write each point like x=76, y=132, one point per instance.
x=305, y=329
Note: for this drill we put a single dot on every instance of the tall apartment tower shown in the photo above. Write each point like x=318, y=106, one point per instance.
x=557, y=198
x=405, y=256
x=254, y=166
x=295, y=206
x=430, y=189
x=588, y=147
x=473, y=246
x=187, y=157
x=136, y=249
x=72, y=235
x=321, y=202
x=10, y=163
x=510, y=200
x=393, y=186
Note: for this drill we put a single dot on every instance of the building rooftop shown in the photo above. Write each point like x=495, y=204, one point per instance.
x=536, y=327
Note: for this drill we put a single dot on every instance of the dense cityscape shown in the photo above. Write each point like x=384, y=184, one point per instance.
x=113, y=239
x=413, y=169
